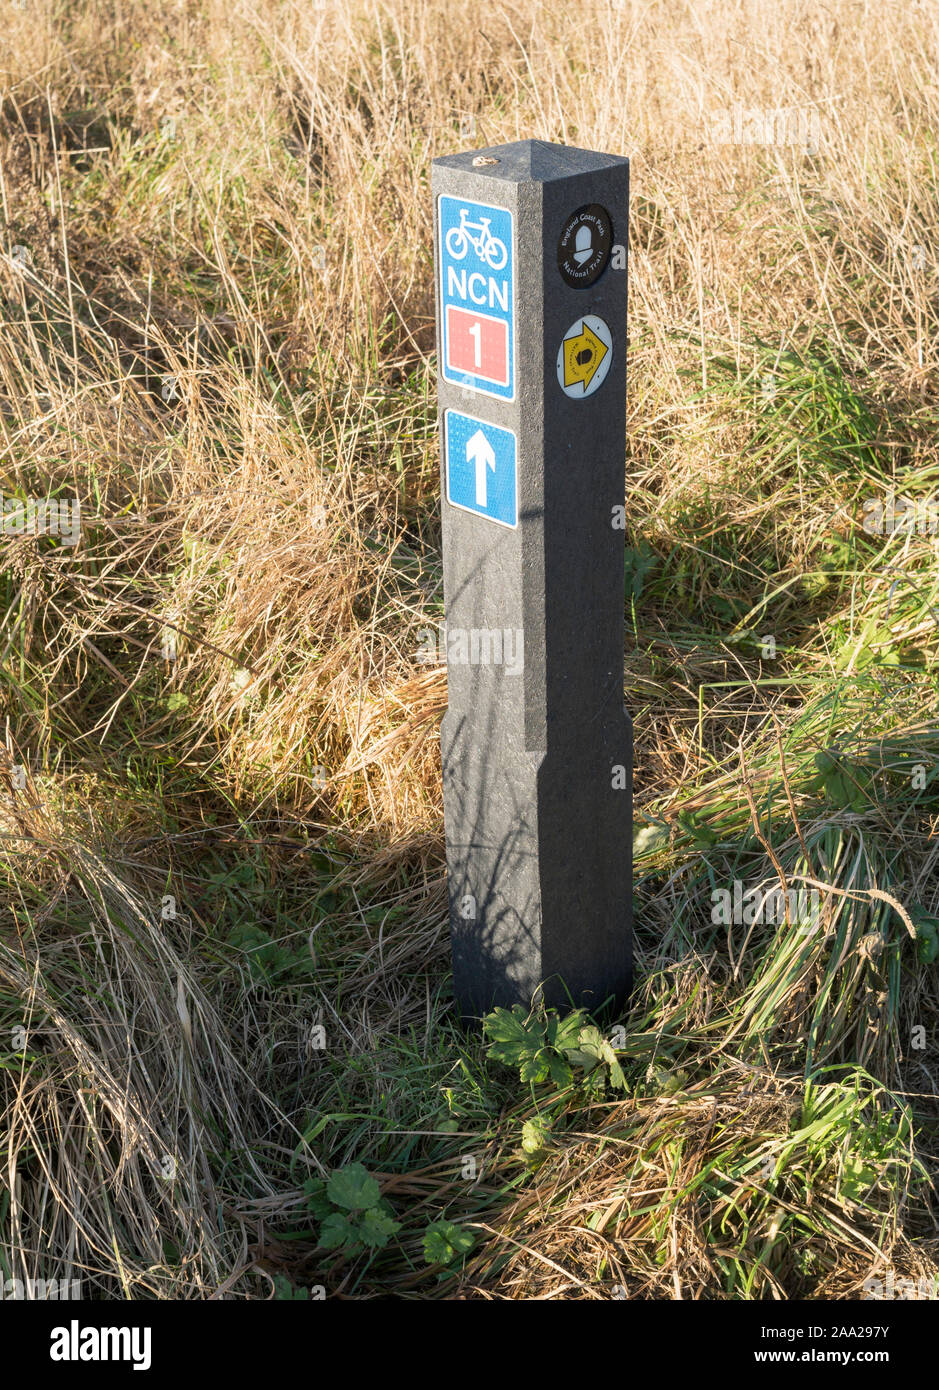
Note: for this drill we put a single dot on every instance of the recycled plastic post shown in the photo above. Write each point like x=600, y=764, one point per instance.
x=536, y=745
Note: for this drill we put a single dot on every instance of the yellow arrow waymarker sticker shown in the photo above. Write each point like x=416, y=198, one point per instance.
x=582, y=357
x=585, y=356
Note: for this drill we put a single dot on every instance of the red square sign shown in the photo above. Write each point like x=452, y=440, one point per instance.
x=478, y=344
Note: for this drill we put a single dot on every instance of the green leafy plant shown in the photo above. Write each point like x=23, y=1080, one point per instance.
x=353, y=1214
x=846, y=784
x=536, y=1142
x=269, y=960
x=284, y=1291
x=545, y=1047
x=664, y=1081
x=927, y=935
x=641, y=561
x=875, y=646
x=445, y=1243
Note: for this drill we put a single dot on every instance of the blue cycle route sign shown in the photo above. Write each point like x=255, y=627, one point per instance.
x=477, y=296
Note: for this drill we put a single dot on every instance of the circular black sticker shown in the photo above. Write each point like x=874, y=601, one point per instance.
x=584, y=248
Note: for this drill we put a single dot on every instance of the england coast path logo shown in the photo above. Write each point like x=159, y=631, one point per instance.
x=477, y=296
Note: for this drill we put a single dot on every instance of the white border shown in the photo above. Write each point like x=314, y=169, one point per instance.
x=513, y=336
x=460, y=507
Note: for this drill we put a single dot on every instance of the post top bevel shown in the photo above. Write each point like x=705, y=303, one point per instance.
x=530, y=161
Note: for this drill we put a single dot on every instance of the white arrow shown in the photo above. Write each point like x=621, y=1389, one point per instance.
x=479, y=450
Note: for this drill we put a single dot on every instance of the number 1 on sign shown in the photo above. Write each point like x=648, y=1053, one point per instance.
x=476, y=335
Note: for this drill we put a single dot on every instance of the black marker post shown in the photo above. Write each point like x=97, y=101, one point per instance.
x=536, y=745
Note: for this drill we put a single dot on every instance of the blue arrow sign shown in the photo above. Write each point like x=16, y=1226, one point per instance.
x=481, y=468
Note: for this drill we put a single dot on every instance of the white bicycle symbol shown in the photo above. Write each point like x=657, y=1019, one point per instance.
x=487, y=247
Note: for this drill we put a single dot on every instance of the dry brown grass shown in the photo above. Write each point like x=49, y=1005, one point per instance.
x=234, y=201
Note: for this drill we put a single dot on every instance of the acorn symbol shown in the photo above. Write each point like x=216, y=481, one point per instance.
x=583, y=244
